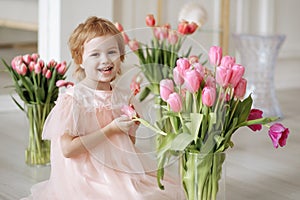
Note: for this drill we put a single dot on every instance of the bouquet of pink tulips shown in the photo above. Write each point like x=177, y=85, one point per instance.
x=37, y=84
x=205, y=107
x=158, y=58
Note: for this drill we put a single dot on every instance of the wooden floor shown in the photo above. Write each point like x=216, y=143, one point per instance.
x=254, y=169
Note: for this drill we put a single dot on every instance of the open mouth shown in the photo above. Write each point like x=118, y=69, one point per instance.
x=106, y=69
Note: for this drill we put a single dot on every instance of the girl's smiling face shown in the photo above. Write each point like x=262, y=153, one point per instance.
x=101, y=61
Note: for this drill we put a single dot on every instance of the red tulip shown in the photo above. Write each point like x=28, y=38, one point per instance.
x=278, y=134
x=150, y=20
x=255, y=114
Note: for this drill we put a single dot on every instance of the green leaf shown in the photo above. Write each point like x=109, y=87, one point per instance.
x=196, y=120
x=181, y=141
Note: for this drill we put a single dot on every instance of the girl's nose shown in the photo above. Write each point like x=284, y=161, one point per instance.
x=104, y=58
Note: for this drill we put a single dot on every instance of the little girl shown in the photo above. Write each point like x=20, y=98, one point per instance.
x=93, y=155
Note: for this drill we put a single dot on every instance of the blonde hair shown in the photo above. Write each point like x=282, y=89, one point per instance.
x=91, y=28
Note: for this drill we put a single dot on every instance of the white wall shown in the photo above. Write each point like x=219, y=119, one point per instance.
x=274, y=16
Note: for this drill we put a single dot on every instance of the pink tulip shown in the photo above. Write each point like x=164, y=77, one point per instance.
x=133, y=45
x=227, y=61
x=199, y=68
x=192, y=80
x=278, y=134
x=31, y=66
x=21, y=69
x=237, y=74
x=255, y=114
x=125, y=38
x=223, y=75
x=215, y=55
x=166, y=88
x=175, y=102
x=178, y=79
x=129, y=111
x=48, y=74
x=16, y=61
x=209, y=96
x=27, y=59
x=240, y=89
x=35, y=57
x=37, y=68
x=52, y=63
x=183, y=64
x=173, y=37
x=44, y=70
x=210, y=82
x=161, y=33
x=119, y=26
x=62, y=68
x=150, y=20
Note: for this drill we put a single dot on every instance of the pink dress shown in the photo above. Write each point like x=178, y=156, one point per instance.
x=114, y=170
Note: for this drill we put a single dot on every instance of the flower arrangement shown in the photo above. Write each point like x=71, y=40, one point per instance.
x=158, y=58
x=205, y=108
x=37, y=84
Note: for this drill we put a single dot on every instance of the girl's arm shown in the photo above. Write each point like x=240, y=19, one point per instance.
x=75, y=145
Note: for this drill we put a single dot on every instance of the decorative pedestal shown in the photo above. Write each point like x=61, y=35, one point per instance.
x=258, y=54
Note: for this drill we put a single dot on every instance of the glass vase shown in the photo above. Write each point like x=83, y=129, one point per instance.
x=38, y=150
x=258, y=53
x=203, y=175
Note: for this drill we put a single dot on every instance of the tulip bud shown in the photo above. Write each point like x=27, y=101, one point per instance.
x=133, y=45
x=31, y=66
x=215, y=55
x=37, y=68
x=227, y=61
x=178, y=79
x=240, y=89
x=208, y=96
x=223, y=75
x=125, y=38
x=237, y=74
x=119, y=26
x=27, y=58
x=192, y=27
x=48, y=74
x=183, y=27
x=192, y=80
x=16, y=61
x=35, y=57
x=175, y=102
x=150, y=20
x=166, y=88
x=183, y=64
x=173, y=37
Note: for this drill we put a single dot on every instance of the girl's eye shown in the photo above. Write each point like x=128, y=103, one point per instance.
x=112, y=52
x=95, y=54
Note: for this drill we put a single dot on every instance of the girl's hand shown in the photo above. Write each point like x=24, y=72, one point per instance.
x=123, y=123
